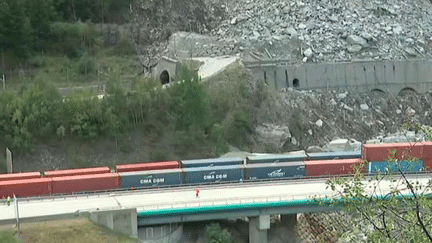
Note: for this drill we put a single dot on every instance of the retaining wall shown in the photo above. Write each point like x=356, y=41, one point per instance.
x=386, y=76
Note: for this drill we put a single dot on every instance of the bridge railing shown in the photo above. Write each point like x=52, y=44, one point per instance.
x=283, y=197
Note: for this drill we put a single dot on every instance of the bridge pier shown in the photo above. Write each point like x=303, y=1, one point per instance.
x=120, y=220
x=258, y=227
x=289, y=221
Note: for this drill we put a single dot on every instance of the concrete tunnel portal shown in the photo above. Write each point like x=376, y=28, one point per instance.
x=164, y=77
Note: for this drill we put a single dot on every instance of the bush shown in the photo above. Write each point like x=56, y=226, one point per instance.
x=215, y=234
x=86, y=65
x=73, y=39
x=38, y=61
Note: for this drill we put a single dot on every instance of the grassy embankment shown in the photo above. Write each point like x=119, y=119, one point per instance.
x=68, y=231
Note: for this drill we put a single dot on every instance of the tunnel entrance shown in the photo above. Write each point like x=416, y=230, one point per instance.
x=296, y=83
x=164, y=77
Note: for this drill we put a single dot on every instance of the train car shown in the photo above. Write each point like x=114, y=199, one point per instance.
x=72, y=172
x=275, y=170
x=427, y=151
x=20, y=176
x=150, y=178
x=82, y=183
x=26, y=187
x=148, y=166
x=335, y=155
x=331, y=167
x=211, y=162
x=405, y=166
x=279, y=158
x=380, y=152
x=427, y=164
x=213, y=174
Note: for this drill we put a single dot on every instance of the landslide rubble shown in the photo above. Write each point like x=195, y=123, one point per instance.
x=331, y=30
x=296, y=120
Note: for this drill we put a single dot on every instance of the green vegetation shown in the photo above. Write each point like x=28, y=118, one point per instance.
x=76, y=230
x=52, y=44
x=7, y=237
x=26, y=26
x=185, y=113
x=215, y=234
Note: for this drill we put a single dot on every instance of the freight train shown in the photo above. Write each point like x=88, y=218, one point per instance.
x=219, y=170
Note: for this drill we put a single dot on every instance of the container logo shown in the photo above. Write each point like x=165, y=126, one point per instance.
x=150, y=179
x=276, y=173
x=212, y=176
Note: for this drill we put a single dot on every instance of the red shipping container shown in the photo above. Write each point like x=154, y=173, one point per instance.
x=26, y=188
x=19, y=176
x=81, y=183
x=148, y=166
x=72, y=172
x=330, y=167
x=380, y=152
x=428, y=164
x=427, y=150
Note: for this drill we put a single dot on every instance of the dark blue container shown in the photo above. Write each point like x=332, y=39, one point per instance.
x=279, y=158
x=277, y=170
x=406, y=166
x=213, y=174
x=211, y=162
x=335, y=155
x=150, y=178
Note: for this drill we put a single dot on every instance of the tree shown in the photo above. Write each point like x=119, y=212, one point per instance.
x=15, y=28
x=40, y=14
x=388, y=207
x=215, y=234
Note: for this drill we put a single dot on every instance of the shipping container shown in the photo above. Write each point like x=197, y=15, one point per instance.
x=20, y=176
x=72, y=172
x=427, y=150
x=428, y=164
x=211, y=162
x=279, y=158
x=406, y=166
x=26, y=187
x=150, y=178
x=213, y=174
x=335, y=155
x=148, y=166
x=81, y=183
x=275, y=170
x=380, y=152
x=331, y=167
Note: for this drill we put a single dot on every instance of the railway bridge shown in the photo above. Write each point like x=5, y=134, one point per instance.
x=124, y=211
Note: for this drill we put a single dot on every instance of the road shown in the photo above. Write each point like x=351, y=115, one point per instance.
x=181, y=197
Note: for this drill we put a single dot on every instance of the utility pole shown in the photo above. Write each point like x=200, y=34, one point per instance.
x=17, y=214
x=4, y=82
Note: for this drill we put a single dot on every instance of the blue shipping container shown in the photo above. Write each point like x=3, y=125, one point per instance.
x=275, y=158
x=211, y=162
x=213, y=174
x=335, y=155
x=150, y=178
x=276, y=170
x=406, y=166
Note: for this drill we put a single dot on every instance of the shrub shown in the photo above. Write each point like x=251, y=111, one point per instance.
x=86, y=65
x=38, y=61
x=215, y=234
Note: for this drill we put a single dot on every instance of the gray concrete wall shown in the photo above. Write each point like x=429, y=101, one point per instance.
x=161, y=234
x=387, y=76
x=120, y=220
